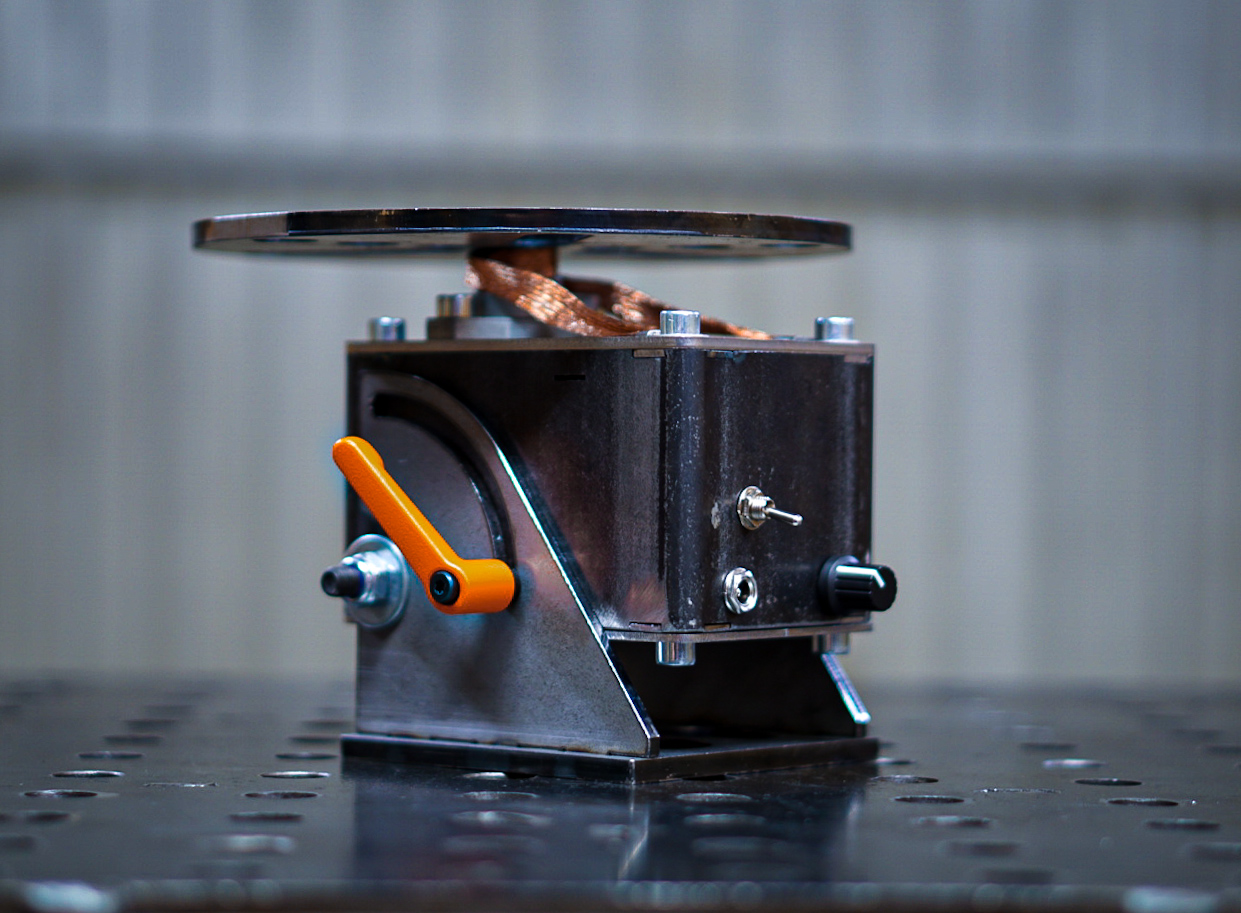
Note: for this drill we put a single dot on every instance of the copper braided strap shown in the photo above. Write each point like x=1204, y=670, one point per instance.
x=622, y=310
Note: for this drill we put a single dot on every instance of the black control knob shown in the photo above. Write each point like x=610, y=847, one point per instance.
x=847, y=587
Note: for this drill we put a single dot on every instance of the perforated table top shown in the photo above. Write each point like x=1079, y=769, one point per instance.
x=227, y=795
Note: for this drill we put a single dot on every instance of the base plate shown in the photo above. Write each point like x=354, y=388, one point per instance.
x=702, y=758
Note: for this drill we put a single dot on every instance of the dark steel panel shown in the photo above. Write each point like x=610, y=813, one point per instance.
x=635, y=463
x=626, y=233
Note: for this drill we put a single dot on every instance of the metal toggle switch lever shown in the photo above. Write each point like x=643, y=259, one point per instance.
x=455, y=585
x=754, y=508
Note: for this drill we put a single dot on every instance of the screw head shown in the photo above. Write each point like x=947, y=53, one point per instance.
x=444, y=588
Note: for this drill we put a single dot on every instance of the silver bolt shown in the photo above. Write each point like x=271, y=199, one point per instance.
x=373, y=579
x=740, y=590
x=387, y=329
x=457, y=304
x=836, y=643
x=674, y=653
x=754, y=508
x=834, y=329
x=680, y=323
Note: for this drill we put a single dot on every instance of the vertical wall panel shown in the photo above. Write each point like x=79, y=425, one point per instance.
x=1046, y=204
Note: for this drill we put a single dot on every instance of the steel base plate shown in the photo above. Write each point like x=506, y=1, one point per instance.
x=696, y=757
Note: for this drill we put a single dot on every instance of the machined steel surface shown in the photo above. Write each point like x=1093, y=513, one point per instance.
x=225, y=795
x=537, y=674
x=431, y=232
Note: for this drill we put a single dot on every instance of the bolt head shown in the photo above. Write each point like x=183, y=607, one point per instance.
x=444, y=588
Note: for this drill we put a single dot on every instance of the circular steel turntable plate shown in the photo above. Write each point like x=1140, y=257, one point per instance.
x=646, y=233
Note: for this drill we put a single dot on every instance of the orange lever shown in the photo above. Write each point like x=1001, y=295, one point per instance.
x=455, y=585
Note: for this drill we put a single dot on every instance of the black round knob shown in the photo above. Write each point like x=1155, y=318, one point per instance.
x=848, y=587
x=344, y=580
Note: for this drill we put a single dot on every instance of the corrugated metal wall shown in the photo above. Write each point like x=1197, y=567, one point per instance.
x=1047, y=202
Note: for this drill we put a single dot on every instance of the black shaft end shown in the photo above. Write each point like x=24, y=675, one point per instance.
x=849, y=588
x=444, y=588
x=344, y=580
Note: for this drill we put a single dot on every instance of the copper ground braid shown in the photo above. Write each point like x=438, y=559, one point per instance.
x=637, y=306
x=623, y=310
x=544, y=299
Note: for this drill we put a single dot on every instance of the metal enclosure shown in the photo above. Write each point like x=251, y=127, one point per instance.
x=607, y=472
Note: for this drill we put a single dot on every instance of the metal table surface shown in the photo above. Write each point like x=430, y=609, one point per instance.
x=220, y=795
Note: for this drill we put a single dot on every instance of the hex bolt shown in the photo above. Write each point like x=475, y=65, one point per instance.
x=373, y=579
x=680, y=323
x=834, y=329
x=834, y=642
x=456, y=304
x=674, y=653
x=386, y=329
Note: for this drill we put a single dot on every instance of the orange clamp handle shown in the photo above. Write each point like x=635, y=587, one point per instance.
x=455, y=585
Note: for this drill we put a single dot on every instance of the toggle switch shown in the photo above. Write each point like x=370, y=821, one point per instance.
x=455, y=585
x=755, y=508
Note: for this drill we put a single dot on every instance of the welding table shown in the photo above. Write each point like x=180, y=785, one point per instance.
x=229, y=795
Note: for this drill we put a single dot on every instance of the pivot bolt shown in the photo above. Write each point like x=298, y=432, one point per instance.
x=373, y=579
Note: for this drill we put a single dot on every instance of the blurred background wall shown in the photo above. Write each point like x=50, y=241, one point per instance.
x=1047, y=208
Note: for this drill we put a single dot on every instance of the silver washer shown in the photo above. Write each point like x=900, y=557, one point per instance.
x=388, y=582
